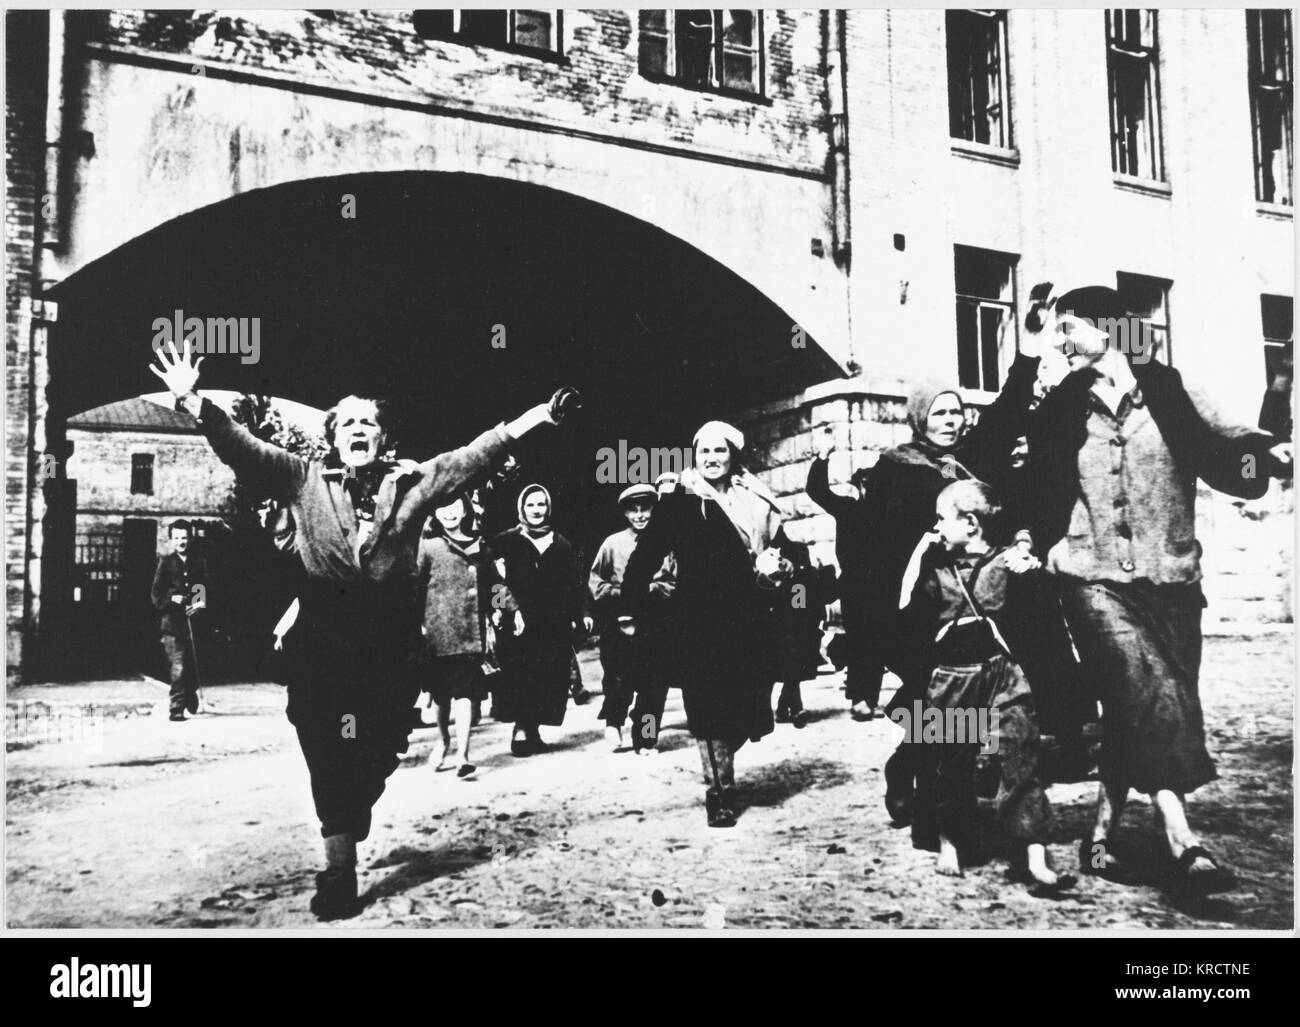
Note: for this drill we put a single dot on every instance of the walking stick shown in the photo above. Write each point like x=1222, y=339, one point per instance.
x=194, y=654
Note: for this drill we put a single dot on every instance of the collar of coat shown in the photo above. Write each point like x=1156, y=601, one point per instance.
x=386, y=469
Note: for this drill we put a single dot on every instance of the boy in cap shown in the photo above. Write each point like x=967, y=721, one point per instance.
x=617, y=627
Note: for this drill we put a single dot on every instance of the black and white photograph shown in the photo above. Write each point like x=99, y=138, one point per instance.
x=650, y=472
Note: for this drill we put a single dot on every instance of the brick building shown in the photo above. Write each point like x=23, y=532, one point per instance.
x=789, y=211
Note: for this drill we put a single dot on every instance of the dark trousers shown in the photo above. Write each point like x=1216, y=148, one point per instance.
x=348, y=775
x=351, y=691
x=617, y=661
x=181, y=673
x=648, y=713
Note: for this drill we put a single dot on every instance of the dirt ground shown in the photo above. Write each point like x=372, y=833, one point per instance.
x=123, y=819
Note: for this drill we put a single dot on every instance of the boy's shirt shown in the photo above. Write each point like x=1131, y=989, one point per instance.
x=605, y=582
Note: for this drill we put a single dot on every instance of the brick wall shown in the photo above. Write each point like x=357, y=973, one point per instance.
x=25, y=47
x=594, y=86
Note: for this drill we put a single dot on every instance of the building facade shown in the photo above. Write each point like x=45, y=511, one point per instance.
x=891, y=182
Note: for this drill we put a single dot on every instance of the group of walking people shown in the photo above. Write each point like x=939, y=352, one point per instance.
x=986, y=576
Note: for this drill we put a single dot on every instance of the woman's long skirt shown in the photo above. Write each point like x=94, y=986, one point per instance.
x=1140, y=646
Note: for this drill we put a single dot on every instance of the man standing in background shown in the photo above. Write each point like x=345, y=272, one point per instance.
x=179, y=592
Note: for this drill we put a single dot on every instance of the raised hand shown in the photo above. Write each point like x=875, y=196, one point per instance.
x=824, y=442
x=180, y=373
x=564, y=404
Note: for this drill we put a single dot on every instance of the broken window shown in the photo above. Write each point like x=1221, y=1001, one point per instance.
x=1132, y=65
x=520, y=30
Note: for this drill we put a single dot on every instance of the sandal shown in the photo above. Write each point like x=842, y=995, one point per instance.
x=1206, y=882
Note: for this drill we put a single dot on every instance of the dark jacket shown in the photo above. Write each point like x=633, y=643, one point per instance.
x=798, y=607
x=897, y=505
x=720, y=616
x=323, y=512
x=552, y=597
x=173, y=577
x=461, y=590
x=1215, y=453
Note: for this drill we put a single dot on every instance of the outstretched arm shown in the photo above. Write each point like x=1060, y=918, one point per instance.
x=819, y=485
x=269, y=468
x=449, y=474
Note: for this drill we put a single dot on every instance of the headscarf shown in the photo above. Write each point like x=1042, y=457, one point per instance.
x=531, y=530
x=921, y=452
x=730, y=434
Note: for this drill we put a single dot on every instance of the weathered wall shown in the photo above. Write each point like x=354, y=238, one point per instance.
x=188, y=479
x=1054, y=200
x=25, y=41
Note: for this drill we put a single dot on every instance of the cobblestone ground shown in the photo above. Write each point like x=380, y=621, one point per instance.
x=132, y=821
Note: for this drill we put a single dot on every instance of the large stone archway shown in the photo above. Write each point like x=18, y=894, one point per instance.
x=463, y=298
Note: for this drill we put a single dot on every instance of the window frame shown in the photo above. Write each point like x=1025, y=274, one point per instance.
x=674, y=78
x=557, y=30
x=1125, y=281
x=1258, y=85
x=142, y=464
x=1287, y=345
x=1120, y=49
x=1009, y=307
x=1005, y=122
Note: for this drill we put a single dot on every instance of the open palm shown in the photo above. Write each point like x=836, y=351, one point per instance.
x=179, y=371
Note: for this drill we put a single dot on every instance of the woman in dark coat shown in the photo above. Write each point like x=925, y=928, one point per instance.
x=878, y=531
x=542, y=573
x=719, y=522
x=896, y=508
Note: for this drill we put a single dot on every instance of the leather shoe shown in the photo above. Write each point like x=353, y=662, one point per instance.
x=336, y=894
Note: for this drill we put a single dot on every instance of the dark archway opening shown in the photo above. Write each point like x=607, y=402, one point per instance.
x=462, y=299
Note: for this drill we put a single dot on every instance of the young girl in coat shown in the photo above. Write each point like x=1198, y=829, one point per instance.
x=464, y=603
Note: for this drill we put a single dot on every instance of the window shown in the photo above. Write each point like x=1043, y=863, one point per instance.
x=533, y=31
x=1132, y=65
x=986, y=316
x=1277, y=315
x=1269, y=33
x=720, y=50
x=978, y=110
x=1148, y=299
x=142, y=474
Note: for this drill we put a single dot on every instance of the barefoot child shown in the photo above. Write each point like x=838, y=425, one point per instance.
x=966, y=604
